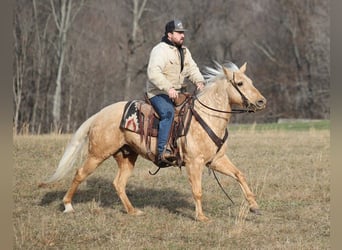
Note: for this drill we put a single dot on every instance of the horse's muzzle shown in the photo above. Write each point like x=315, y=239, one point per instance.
x=260, y=104
x=257, y=106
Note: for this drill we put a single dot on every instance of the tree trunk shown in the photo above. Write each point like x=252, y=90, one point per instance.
x=63, y=22
x=17, y=91
x=132, y=45
x=68, y=125
x=40, y=62
x=20, y=44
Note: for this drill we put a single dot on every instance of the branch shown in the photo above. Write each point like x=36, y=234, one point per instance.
x=80, y=6
x=55, y=15
x=265, y=51
x=141, y=9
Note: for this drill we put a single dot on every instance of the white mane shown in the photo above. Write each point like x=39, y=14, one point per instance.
x=210, y=74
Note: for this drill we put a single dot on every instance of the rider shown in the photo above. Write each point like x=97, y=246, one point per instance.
x=169, y=64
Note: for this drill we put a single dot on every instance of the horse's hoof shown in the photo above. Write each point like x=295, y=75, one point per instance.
x=68, y=208
x=203, y=218
x=136, y=212
x=255, y=211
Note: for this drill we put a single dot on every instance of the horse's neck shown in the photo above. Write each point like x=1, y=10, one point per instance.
x=215, y=98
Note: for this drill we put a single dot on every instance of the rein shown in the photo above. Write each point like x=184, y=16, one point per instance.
x=233, y=111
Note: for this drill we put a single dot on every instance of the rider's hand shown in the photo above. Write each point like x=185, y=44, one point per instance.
x=173, y=94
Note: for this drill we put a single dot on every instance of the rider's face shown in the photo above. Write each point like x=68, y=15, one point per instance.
x=177, y=37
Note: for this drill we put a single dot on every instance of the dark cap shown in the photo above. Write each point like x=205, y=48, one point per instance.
x=174, y=25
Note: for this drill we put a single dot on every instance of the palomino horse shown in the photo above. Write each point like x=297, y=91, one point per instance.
x=226, y=85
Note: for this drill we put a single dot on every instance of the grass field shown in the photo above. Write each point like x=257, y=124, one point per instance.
x=287, y=168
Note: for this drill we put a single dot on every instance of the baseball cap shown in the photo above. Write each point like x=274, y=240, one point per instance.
x=174, y=25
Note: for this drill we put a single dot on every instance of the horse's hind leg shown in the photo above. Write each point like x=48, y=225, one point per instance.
x=126, y=164
x=90, y=164
x=225, y=166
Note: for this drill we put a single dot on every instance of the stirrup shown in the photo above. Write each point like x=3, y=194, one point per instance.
x=160, y=164
x=167, y=156
x=167, y=161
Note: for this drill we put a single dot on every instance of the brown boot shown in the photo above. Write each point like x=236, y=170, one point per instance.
x=168, y=155
x=166, y=158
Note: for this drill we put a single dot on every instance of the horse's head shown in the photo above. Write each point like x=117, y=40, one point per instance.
x=241, y=89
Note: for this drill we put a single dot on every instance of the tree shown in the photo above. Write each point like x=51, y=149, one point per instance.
x=21, y=34
x=133, y=43
x=63, y=18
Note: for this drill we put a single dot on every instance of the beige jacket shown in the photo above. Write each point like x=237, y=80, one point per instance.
x=163, y=70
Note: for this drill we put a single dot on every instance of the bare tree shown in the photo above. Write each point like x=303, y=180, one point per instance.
x=39, y=62
x=133, y=43
x=21, y=35
x=20, y=68
x=63, y=18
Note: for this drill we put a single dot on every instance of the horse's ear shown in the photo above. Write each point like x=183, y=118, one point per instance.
x=228, y=73
x=243, y=68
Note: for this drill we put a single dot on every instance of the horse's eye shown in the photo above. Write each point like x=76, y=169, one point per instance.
x=239, y=84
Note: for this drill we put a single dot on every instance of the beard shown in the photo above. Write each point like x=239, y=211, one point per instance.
x=179, y=43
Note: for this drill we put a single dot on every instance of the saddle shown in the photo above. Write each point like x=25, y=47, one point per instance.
x=140, y=117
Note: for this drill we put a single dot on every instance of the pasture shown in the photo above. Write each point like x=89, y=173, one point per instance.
x=288, y=169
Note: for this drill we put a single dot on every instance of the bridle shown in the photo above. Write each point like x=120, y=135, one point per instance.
x=245, y=101
x=217, y=140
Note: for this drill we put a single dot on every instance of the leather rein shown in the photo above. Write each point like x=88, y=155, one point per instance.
x=245, y=101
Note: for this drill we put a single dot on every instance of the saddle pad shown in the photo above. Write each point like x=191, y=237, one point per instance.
x=129, y=118
x=135, y=115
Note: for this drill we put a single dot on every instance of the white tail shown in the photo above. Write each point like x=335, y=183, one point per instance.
x=72, y=151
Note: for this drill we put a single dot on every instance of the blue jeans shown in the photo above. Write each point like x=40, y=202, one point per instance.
x=166, y=111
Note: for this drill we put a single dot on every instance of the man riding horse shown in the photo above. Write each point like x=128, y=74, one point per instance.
x=203, y=145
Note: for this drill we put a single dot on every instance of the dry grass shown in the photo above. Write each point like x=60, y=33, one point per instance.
x=289, y=172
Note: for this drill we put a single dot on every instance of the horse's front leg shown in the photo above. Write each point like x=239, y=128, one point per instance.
x=194, y=171
x=225, y=166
